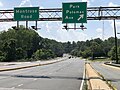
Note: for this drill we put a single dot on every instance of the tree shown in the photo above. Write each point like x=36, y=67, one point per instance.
x=44, y=54
x=112, y=54
x=20, y=53
x=74, y=52
x=95, y=49
x=67, y=47
x=10, y=49
x=2, y=56
x=87, y=53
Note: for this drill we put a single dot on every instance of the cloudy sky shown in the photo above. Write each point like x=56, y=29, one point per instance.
x=53, y=30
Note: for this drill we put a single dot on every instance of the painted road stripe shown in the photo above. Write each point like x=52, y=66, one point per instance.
x=83, y=79
x=35, y=79
x=12, y=87
x=20, y=85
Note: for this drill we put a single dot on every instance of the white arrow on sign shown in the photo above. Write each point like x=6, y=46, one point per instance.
x=81, y=16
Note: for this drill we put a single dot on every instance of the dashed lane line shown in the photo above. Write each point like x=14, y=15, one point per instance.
x=20, y=85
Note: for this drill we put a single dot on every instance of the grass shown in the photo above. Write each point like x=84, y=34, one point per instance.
x=100, y=59
x=85, y=86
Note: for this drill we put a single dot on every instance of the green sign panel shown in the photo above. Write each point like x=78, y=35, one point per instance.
x=26, y=13
x=74, y=12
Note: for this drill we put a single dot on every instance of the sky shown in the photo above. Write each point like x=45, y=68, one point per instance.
x=53, y=29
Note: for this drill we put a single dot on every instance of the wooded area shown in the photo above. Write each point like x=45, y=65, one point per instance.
x=27, y=45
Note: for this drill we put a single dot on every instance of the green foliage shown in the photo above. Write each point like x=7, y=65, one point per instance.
x=22, y=44
x=75, y=53
x=53, y=45
x=111, y=53
x=86, y=53
x=94, y=48
x=2, y=56
x=19, y=44
x=27, y=45
x=9, y=48
x=119, y=52
x=67, y=47
x=20, y=53
x=44, y=54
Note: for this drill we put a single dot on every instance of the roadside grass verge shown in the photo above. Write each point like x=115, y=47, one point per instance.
x=99, y=59
x=85, y=86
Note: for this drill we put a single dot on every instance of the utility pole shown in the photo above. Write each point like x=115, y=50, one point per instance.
x=115, y=43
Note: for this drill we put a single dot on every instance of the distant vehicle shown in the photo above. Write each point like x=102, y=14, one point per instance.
x=69, y=57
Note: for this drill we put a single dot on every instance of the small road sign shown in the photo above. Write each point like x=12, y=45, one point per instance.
x=26, y=13
x=75, y=12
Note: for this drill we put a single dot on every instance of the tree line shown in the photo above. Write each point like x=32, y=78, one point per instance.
x=27, y=45
x=96, y=48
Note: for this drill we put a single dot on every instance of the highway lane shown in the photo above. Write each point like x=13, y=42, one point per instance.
x=65, y=75
x=109, y=73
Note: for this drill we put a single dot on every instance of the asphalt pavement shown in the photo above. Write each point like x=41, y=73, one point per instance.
x=64, y=75
x=110, y=74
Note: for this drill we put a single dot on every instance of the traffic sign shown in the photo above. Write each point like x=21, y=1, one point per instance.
x=26, y=13
x=75, y=12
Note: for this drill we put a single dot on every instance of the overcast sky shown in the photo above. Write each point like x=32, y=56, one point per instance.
x=53, y=30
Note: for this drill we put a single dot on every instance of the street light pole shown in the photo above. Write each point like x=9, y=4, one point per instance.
x=115, y=43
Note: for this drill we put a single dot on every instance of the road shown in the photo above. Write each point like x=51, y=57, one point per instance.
x=111, y=74
x=65, y=75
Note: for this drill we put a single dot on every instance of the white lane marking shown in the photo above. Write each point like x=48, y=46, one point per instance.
x=50, y=73
x=35, y=79
x=12, y=87
x=83, y=79
x=20, y=85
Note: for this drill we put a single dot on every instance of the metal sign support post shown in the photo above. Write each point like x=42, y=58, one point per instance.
x=74, y=26
x=18, y=25
x=115, y=43
x=36, y=25
x=26, y=25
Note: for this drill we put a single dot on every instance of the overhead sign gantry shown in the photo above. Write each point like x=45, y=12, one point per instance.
x=55, y=14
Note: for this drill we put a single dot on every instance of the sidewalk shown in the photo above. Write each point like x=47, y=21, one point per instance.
x=95, y=80
x=20, y=65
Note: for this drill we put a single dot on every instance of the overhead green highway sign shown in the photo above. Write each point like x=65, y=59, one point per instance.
x=75, y=12
x=26, y=13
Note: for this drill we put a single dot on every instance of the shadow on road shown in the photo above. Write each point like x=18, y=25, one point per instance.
x=113, y=80
x=48, y=77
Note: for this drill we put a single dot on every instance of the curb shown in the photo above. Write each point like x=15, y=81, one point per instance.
x=107, y=63
x=9, y=69
x=103, y=78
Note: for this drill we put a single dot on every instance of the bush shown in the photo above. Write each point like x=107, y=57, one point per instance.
x=43, y=54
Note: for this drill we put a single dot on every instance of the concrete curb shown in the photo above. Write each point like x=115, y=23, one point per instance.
x=103, y=78
x=98, y=77
x=9, y=69
x=112, y=64
x=22, y=67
